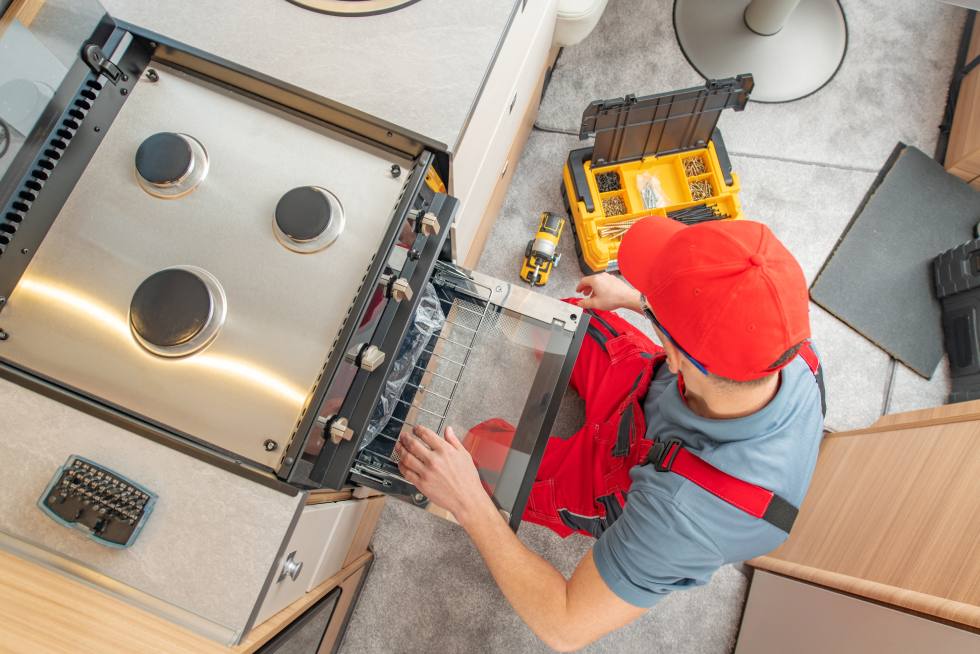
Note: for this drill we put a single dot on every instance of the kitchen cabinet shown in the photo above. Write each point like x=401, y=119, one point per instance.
x=48, y=612
x=892, y=517
x=501, y=118
x=963, y=153
x=787, y=615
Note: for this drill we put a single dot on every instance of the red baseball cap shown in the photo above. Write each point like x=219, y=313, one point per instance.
x=727, y=292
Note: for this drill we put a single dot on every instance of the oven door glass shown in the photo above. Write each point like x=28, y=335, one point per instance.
x=39, y=43
x=490, y=361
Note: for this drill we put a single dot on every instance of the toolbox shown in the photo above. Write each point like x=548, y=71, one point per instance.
x=657, y=155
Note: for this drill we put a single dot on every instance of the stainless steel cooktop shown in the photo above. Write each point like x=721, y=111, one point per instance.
x=204, y=265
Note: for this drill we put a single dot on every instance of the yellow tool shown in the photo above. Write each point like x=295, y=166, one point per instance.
x=541, y=254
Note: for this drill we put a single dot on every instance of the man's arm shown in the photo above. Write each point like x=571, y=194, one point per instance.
x=608, y=293
x=566, y=615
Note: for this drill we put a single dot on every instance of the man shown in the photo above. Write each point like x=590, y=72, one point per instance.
x=714, y=436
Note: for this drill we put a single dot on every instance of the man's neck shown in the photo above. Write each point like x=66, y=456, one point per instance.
x=726, y=404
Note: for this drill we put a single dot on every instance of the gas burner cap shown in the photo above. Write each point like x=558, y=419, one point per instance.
x=169, y=165
x=308, y=218
x=177, y=311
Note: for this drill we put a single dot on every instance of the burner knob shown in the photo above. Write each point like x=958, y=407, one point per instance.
x=365, y=357
x=397, y=289
x=338, y=430
x=430, y=224
x=170, y=307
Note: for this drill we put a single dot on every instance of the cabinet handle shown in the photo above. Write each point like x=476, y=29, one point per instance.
x=504, y=170
x=513, y=101
x=290, y=568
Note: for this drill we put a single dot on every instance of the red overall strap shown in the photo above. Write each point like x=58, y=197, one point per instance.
x=754, y=500
x=671, y=456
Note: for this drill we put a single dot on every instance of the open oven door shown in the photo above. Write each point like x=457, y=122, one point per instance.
x=488, y=359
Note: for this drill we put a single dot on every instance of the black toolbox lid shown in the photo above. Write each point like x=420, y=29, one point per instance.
x=631, y=128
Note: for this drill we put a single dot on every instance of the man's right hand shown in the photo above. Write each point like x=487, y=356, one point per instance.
x=608, y=293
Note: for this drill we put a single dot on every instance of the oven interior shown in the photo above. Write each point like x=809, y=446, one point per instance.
x=474, y=366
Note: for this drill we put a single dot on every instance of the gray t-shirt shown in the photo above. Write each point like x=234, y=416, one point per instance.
x=673, y=534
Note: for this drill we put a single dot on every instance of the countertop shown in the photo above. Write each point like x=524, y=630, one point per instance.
x=46, y=612
x=421, y=67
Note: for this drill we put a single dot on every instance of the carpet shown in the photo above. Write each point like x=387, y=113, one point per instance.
x=879, y=279
x=891, y=87
x=428, y=591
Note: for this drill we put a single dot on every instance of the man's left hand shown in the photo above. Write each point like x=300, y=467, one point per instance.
x=443, y=471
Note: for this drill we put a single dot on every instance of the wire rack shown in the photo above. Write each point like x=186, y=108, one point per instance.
x=431, y=390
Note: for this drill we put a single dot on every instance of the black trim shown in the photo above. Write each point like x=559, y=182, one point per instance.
x=591, y=525
x=613, y=508
x=818, y=375
x=780, y=513
x=595, y=316
x=623, y=430
x=580, y=183
x=50, y=163
x=281, y=642
x=960, y=70
x=847, y=42
x=333, y=465
x=352, y=14
x=342, y=633
x=723, y=158
x=598, y=337
x=545, y=418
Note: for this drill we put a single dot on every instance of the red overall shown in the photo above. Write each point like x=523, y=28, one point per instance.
x=583, y=480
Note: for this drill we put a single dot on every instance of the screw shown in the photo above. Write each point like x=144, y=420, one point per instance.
x=125, y=77
x=414, y=254
x=396, y=170
x=123, y=91
x=574, y=317
x=152, y=75
x=4, y=335
x=3, y=300
x=389, y=134
x=270, y=445
x=418, y=498
x=500, y=289
x=97, y=128
x=288, y=461
x=25, y=251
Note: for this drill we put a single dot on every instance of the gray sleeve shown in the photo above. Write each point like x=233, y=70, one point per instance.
x=653, y=549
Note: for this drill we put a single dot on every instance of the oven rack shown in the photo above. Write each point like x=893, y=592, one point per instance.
x=430, y=393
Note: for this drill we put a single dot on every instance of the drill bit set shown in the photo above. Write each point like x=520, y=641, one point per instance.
x=698, y=214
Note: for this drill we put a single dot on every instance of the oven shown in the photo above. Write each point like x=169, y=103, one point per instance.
x=259, y=276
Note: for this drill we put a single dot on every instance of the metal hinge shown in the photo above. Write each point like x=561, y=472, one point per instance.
x=98, y=62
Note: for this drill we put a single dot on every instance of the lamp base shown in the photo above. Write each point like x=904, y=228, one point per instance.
x=791, y=64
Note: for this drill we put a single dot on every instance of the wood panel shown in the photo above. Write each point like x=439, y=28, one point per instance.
x=963, y=154
x=893, y=514
x=934, y=415
x=22, y=10
x=44, y=611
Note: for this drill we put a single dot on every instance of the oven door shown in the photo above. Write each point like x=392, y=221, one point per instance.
x=488, y=359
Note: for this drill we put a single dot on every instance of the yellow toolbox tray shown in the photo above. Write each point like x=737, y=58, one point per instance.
x=596, y=251
x=652, y=136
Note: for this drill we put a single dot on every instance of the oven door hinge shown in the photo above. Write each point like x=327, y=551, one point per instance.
x=93, y=56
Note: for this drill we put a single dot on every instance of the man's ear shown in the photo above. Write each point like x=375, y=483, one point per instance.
x=674, y=355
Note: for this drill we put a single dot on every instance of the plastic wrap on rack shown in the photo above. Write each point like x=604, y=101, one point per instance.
x=427, y=322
